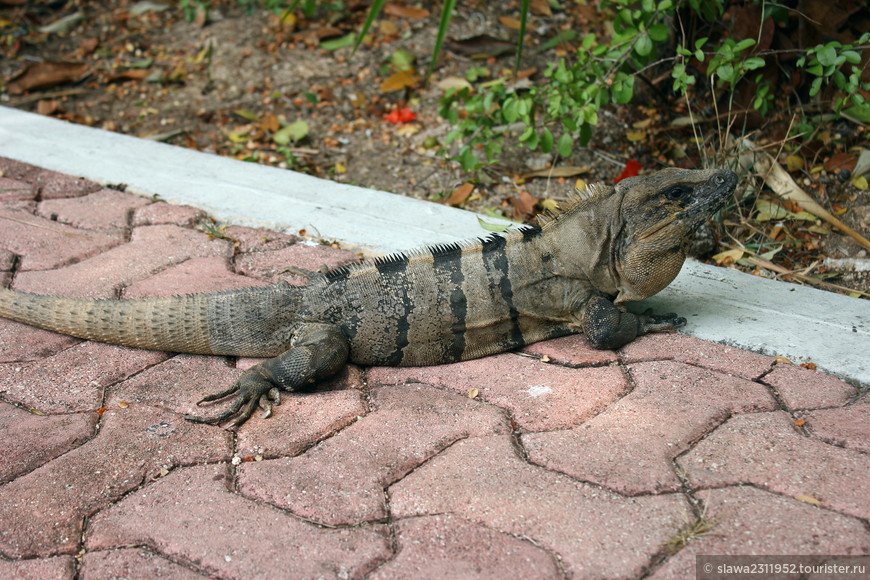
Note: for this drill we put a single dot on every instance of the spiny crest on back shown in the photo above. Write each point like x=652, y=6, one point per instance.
x=578, y=197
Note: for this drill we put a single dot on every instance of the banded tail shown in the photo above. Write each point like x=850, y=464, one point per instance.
x=235, y=322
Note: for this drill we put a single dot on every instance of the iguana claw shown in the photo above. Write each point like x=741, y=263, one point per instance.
x=254, y=391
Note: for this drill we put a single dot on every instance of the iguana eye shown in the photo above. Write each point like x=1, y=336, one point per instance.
x=678, y=193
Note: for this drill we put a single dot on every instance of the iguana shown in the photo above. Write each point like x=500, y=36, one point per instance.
x=608, y=245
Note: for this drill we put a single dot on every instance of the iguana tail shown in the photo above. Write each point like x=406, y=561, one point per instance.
x=235, y=322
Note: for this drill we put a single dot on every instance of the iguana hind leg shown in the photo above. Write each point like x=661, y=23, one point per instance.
x=608, y=327
x=316, y=351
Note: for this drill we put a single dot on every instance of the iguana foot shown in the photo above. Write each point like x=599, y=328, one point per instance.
x=253, y=390
x=649, y=322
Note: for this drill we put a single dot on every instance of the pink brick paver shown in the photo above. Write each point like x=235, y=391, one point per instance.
x=630, y=447
x=191, y=516
x=557, y=462
x=766, y=450
x=597, y=533
x=540, y=396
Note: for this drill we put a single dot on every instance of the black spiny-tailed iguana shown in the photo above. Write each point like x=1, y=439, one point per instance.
x=609, y=245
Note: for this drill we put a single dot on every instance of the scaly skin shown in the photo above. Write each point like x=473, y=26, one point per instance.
x=608, y=246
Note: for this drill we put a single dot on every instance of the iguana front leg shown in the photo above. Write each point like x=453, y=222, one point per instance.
x=608, y=327
x=316, y=352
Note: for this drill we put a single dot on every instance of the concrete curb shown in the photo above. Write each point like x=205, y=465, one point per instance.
x=726, y=306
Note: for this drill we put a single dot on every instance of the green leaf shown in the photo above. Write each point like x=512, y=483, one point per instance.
x=644, y=45
x=292, y=132
x=659, y=32
x=490, y=227
x=511, y=110
x=859, y=112
x=827, y=55
x=565, y=146
x=623, y=90
x=340, y=42
x=546, y=140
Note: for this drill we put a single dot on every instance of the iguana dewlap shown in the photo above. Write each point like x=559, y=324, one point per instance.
x=607, y=246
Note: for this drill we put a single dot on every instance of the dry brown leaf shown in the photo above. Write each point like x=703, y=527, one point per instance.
x=473, y=392
x=524, y=205
x=133, y=74
x=561, y=171
x=510, y=22
x=270, y=123
x=541, y=8
x=46, y=74
x=405, y=11
x=808, y=499
x=840, y=161
x=401, y=80
x=47, y=107
x=460, y=195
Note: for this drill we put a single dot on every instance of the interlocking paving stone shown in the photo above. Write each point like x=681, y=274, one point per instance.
x=103, y=209
x=54, y=567
x=43, y=511
x=539, y=396
x=573, y=350
x=631, y=445
x=595, y=532
x=691, y=350
x=438, y=547
x=342, y=480
x=162, y=213
x=847, y=427
x=44, y=244
x=191, y=516
x=272, y=264
x=53, y=185
x=28, y=440
x=749, y=521
x=766, y=450
x=802, y=388
x=303, y=419
x=152, y=248
x=73, y=379
x=133, y=564
x=21, y=342
x=258, y=240
x=13, y=190
x=194, y=276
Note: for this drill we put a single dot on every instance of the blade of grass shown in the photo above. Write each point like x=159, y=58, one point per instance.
x=374, y=12
x=446, y=14
x=524, y=13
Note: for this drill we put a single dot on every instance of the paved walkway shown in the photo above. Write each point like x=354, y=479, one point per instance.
x=556, y=462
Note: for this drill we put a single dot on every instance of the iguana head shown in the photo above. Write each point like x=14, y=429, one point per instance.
x=658, y=215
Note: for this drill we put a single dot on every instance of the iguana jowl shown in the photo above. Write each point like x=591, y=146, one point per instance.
x=609, y=245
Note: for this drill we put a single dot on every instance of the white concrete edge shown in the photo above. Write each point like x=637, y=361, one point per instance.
x=725, y=306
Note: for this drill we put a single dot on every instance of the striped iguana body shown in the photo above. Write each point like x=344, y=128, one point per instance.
x=609, y=245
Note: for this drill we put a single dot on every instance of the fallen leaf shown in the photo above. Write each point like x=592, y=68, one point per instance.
x=561, y=171
x=270, y=123
x=341, y=42
x=457, y=83
x=491, y=227
x=632, y=168
x=405, y=11
x=63, y=25
x=408, y=129
x=510, y=22
x=860, y=182
x=809, y=366
x=402, y=60
x=460, y=195
x=46, y=74
x=808, y=499
x=473, y=393
x=794, y=163
x=523, y=205
x=840, y=161
x=401, y=80
x=541, y=8
x=549, y=205
x=783, y=360
x=136, y=74
x=339, y=168
x=481, y=46
x=800, y=422
x=292, y=132
x=47, y=107
x=635, y=136
x=728, y=257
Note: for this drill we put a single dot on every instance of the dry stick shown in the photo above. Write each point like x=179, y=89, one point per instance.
x=784, y=186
